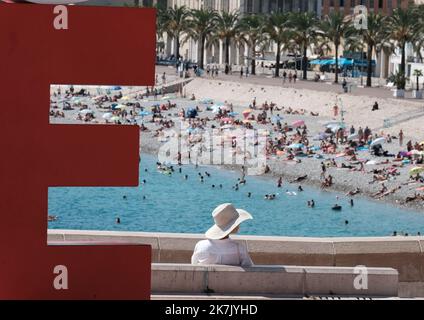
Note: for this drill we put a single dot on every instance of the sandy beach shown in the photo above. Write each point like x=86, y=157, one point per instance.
x=399, y=114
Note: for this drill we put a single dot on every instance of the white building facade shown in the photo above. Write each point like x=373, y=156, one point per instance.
x=239, y=54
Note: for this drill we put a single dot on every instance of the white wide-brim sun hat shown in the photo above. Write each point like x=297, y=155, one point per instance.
x=226, y=218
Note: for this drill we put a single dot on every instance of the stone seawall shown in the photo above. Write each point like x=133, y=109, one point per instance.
x=405, y=254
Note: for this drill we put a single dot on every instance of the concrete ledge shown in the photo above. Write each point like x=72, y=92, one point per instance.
x=404, y=254
x=270, y=280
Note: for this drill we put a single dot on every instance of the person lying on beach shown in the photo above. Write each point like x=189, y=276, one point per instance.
x=388, y=192
x=298, y=179
x=219, y=248
x=415, y=197
x=380, y=192
x=353, y=192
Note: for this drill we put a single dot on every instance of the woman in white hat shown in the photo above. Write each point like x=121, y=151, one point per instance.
x=219, y=248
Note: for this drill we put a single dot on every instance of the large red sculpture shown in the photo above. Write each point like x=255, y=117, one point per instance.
x=102, y=46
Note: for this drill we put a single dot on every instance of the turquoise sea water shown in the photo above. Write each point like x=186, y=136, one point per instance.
x=173, y=204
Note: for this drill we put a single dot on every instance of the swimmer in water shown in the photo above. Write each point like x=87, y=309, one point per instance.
x=145, y=170
x=118, y=220
x=346, y=222
x=279, y=182
x=220, y=186
x=300, y=189
x=213, y=186
x=351, y=202
x=124, y=197
x=144, y=181
x=144, y=197
x=186, y=177
x=249, y=194
x=180, y=170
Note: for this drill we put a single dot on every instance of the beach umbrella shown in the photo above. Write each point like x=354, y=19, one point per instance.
x=166, y=98
x=125, y=98
x=416, y=170
x=298, y=123
x=276, y=118
x=107, y=115
x=415, y=152
x=227, y=126
x=120, y=106
x=86, y=111
x=232, y=114
x=336, y=125
x=422, y=143
x=353, y=136
x=331, y=123
x=227, y=119
x=420, y=189
x=115, y=88
x=378, y=141
x=371, y=162
x=296, y=146
x=321, y=136
x=216, y=107
x=246, y=113
x=144, y=113
x=206, y=101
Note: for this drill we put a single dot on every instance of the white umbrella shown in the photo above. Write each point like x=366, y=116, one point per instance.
x=378, y=141
x=86, y=111
x=107, y=115
x=227, y=126
x=353, y=136
x=120, y=106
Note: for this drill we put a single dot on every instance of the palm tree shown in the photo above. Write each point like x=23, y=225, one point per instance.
x=175, y=24
x=334, y=27
x=251, y=33
x=403, y=27
x=278, y=31
x=227, y=29
x=418, y=73
x=201, y=28
x=374, y=37
x=418, y=45
x=354, y=43
x=305, y=27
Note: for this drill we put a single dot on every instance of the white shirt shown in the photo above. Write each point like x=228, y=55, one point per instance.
x=224, y=251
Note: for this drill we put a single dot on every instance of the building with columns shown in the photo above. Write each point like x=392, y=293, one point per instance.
x=238, y=54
